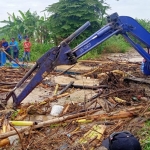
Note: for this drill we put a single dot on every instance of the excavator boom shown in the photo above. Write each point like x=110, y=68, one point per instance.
x=126, y=26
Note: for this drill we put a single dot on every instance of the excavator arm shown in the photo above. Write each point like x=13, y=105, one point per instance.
x=64, y=55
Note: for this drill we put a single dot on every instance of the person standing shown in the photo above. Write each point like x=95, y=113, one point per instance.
x=27, y=49
x=19, y=37
x=15, y=48
x=0, y=43
x=6, y=47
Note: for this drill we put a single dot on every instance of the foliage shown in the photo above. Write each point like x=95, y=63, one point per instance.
x=113, y=45
x=69, y=15
x=37, y=50
x=145, y=23
x=145, y=136
x=26, y=24
x=65, y=17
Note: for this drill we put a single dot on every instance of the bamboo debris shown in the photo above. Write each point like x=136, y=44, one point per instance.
x=65, y=109
x=131, y=112
x=127, y=113
x=93, y=111
x=5, y=90
x=47, y=123
x=55, y=97
x=56, y=89
x=87, y=86
x=93, y=71
x=66, y=88
x=22, y=123
x=4, y=142
x=8, y=83
x=139, y=80
x=96, y=132
x=119, y=100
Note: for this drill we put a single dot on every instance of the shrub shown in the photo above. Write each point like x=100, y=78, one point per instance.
x=37, y=50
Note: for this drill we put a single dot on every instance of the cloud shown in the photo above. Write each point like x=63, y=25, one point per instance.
x=14, y=5
x=132, y=8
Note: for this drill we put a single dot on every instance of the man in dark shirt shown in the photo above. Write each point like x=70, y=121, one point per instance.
x=7, y=48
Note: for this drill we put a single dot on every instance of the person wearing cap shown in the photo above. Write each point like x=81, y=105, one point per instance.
x=121, y=141
x=15, y=48
x=27, y=49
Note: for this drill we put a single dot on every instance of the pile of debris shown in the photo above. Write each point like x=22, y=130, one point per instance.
x=84, y=108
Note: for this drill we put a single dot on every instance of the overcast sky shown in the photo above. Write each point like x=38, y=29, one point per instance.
x=133, y=8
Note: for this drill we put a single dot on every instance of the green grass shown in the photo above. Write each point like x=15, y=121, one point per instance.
x=37, y=50
x=144, y=135
x=115, y=44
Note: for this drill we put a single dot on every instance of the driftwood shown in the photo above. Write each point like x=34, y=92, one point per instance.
x=141, y=80
x=131, y=112
x=117, y=91
x=93, y=71
x=4, y=142
x=55, y=97
x=46, y=123
x=95, y=96
x=67, y=87
x=87, y=87
x=5, y=90
x=8, y=83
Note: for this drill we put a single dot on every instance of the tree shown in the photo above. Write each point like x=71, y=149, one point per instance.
x=27, y=23
x=68, y=15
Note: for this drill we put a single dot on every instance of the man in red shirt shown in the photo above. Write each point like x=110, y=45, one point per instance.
x=27, y=48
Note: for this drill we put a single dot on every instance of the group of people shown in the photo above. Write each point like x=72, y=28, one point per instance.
x=13, y=48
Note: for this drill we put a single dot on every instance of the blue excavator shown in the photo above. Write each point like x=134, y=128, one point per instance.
x=126, y=26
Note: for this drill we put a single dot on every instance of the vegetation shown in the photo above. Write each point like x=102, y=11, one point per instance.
x=64, y=18
x=38, y=49
x=69, y=15
x=144, y=135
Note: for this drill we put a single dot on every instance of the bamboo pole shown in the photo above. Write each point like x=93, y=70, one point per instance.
x=46, y=123
x=11, y=58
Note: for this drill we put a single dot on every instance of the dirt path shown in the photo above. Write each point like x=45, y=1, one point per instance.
x=132, y=56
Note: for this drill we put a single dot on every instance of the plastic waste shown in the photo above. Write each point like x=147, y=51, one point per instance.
x=56, y=110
